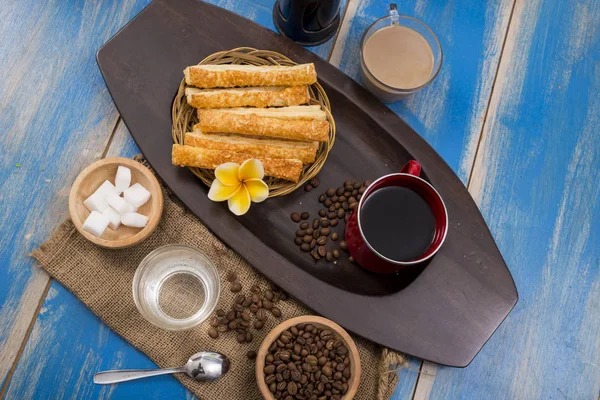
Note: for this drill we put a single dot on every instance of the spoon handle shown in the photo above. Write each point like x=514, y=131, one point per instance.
x=108, y=377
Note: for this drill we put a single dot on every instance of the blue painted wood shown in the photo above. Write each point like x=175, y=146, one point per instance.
x=449, y=113
x=536, y=181
x=55, y=118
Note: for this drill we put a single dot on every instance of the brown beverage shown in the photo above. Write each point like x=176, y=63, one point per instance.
x=398, y=57
x=398, y=223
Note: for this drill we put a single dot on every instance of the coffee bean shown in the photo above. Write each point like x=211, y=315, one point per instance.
x=300, y=232
x=322, y=198
x=269, y=294
x=326, y=371
x=276, y=312
x=269, y=369
x=267, y=304
x=308, y=187
x=255, y=298
x=261, y=315
x=241, y=337
x=322, y=251
x=304, y=215
x=269, y=378
x=352, y=206
x=231, y=276
x=273, y=387
x=316, y=234
x=332, y=208
x=236, y=287
x=337, y=206
x=249, y=337
x=315, y=255
x=341, y=213
x=316, y=223
x=258, y=324
x=254, y=308
x=325, y=231
x=339, y=191
x=313, y=243
x=367, y=183
x=220, y=313
x=213, y=333
x=332, y=215
x=214, y=321
x=310, y=231
x=322, y=213
x=325, y=222
x=295, y=217
x=334, y=236
x=334, y=222
x=335, y=199
x=248, y=301
x=336, y=253
x=298, y=241
x=330, y=192
x=304, y=225
x=351, y=259
x=343, y=245
x=321, y=240
x=329, y=256
x=232, y=324
x=342, y=199
x=305, y=247
x=362, y=189
x=315, y=181
x=327, y=203
x=251, y=354
x=307, y=239
x=345, y=206
x=358, y=197
x=348, y=193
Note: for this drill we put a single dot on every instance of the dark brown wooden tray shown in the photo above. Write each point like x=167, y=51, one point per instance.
x=444, y=312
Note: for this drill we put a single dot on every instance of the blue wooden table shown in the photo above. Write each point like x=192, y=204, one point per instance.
x=515, y=112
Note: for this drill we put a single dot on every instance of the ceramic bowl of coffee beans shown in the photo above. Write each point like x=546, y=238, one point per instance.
x=308, y=356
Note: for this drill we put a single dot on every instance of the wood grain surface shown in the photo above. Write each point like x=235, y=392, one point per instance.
x=535, y=169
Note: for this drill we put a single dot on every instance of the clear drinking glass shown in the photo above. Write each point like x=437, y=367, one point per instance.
x=384, y=92
x=176, y=287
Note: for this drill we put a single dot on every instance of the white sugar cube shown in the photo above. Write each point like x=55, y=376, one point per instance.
x=118, y=204
x=113, y=217
x=97, y=201
x=123, y=179
x=134, y=220
x=136, y=195
x=96, y=223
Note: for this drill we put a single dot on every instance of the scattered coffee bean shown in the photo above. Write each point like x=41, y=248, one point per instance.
x=300, y=232
x=342, y=199
x=329, y=256
x=316, y=234
x=327, y=203
x=313, y=243
x=341, y=213
x=336, y=253
x=305, y=247
x=213, y=333
x=307, y=239
x=335, y=199
x=322, y=240
x=322, y=251
x=339, y=191
x=316, y=222
x=331, y=215
x=322, y=198
x=258, y=324
x=269, y=294
x=334, y=222
x=325, y=222
x=304, y=225
x=310, y=231
x=325, y=231
x=343, y=245
x=362, y=190
x=220, y=313
x=315, y=255
x=337, y=206
x=298, y=241
x=231, y=276
x=308, y=187
x=276, y=312
x=295, y=217
x=236, y=287
x=330, y=192
x=334, y=236
x=352, y=206
x=304, y=215
x=241, y=338
x=332, y=208
x=367, y=183
x=351, y=259
x=315, y=181
x=322, y=213
x=251, y=354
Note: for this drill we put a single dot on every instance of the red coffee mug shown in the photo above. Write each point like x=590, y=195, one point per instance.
x=369, y=258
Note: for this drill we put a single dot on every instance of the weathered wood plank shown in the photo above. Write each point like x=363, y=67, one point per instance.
x=536, y=180
x=56, y=117
x=93, y=347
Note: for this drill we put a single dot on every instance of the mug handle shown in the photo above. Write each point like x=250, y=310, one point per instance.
x=412, y=168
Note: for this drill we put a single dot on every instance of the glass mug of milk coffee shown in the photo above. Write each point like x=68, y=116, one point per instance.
x=399, y=55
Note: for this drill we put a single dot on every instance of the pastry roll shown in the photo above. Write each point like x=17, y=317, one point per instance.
x=188, y=156
x=270, y=148
x=278, y=96
x=291, y=113
x=252, y=124
x=228, y=76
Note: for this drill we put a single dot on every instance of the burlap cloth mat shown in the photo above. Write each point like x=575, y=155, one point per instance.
x=102, y=279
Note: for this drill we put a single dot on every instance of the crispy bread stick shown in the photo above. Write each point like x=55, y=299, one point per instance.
x=290, y=113
x=278, y=96
x=228, y=76
x=188, y=156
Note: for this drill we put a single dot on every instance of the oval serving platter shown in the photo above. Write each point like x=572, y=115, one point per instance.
x=443, y=312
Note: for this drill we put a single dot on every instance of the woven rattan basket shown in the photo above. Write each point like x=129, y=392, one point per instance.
x=185, y=117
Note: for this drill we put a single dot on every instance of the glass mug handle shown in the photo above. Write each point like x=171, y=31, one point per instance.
x=412, y=168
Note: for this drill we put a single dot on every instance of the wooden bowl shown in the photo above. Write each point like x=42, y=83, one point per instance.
x=92, y=177
x=321, y=323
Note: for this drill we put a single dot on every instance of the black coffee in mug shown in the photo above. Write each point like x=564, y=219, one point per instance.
x=398, y=223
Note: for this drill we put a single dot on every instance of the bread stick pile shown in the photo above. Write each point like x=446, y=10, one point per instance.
x=248, y=111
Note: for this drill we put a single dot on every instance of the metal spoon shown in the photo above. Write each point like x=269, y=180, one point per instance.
x=203, y=366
